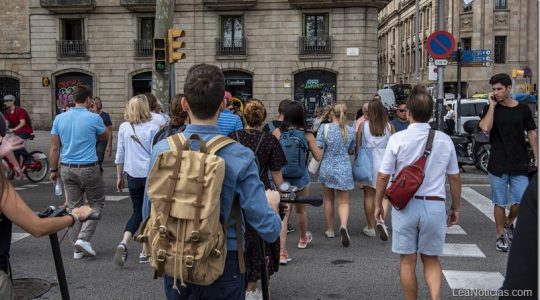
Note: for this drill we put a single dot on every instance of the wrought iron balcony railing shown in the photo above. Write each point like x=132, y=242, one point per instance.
x=236, y=46
x=312, y=45
x=66, y=6
x=143, y=48
x=71, y=48
x=139, y=5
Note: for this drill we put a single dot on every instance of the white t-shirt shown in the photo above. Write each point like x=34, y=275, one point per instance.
x=449, y=115
x=406, y=146
x=158, y=119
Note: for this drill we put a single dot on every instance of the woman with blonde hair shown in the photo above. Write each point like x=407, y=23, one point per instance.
x=335, y=173
x=377, y=130
x=133, y=151
x=270, y=157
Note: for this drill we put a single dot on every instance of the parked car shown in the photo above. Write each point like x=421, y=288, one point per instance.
x=471, y=109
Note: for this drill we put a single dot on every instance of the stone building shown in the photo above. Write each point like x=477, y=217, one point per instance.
x=317, y=52
x=507, y=28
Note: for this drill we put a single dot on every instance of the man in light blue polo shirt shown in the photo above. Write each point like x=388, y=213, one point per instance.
x=228, y=122
x=73, y=141
x=203, y=99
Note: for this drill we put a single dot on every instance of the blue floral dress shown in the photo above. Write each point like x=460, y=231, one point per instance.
x=336, y=169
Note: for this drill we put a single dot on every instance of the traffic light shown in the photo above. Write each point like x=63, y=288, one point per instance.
x=160, y=55
x=517, y=72
x=175, y=44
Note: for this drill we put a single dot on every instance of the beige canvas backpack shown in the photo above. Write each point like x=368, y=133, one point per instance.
x=183, y=236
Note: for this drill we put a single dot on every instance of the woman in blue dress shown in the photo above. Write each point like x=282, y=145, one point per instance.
x=335, y=173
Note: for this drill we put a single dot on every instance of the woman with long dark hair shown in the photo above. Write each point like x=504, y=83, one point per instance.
x=295, y=125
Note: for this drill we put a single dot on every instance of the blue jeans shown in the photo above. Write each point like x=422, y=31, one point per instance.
x=136, y=192
x=507, y=188
x=229, y=286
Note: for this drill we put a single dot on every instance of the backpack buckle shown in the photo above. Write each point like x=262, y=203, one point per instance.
x=161, y=255
x=195, y=236
x=189, y=261
x=162, y=230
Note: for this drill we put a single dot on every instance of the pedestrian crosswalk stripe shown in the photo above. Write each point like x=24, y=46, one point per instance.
x=20, y=188
x=115, y=198
x=462, y=250
x=455, y=229
x=30, y=185
x=15, y=237
x=466, y=280
x=45, y=182
x=483, y=204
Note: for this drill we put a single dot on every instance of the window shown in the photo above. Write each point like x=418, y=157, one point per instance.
x=315, y=37
x=466, y=43
x=232, y=40
x=72, y=42
x=144, y=44
x=500, y=4
x=500, y=49
x=467, y=7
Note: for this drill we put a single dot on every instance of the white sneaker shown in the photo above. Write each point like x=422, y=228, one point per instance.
x=84, y=247
x=369, y=232
x=256, y=295
x=78, y=255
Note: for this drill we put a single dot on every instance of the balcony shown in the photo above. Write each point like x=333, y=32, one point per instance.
x=68, y=6
x=139, y=5
x=229, y=4
x=236, y=47
x=143, y=48
x=315, y=45
x=379, y=4
x=71, y=49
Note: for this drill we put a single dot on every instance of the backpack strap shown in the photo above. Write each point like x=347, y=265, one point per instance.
x=218, y=142
x=163, y=214
x=236, y=212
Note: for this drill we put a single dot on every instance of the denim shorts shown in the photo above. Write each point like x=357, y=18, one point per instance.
x=507, y=188
x=419, y=228
x=300, y=182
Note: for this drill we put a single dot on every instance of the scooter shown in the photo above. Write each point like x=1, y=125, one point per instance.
x=472, y=149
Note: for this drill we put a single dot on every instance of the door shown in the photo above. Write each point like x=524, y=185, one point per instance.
x=315, y=89
x=65, y=88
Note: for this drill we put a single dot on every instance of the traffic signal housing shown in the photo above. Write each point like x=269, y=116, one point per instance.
x=160, y=55
x=175, y=44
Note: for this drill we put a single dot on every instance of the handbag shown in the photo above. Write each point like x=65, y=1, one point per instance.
x=409, y=179
x=314, y=164
x=363, y=163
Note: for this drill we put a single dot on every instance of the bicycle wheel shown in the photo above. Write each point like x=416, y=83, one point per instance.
x=38, y=169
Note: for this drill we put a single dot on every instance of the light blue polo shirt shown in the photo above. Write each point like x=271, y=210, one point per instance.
x=78, y=129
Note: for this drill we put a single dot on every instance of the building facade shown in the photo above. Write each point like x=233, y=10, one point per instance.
x=507, y=28
x=318, y=52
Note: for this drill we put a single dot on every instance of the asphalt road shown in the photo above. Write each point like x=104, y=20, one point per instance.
x=325, y=270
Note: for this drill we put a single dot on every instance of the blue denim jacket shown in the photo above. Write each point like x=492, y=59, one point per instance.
x=241, y=179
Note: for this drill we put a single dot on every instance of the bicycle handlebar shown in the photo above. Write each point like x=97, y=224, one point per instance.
x=52, y=212
x=315, y=201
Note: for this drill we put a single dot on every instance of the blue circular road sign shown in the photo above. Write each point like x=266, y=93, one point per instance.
x=440, y=44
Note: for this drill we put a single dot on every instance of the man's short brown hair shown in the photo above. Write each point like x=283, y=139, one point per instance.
x=204, y=90
x=82, y=93
x=420, y=106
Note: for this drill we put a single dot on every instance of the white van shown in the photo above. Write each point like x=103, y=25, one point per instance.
x=471, y=109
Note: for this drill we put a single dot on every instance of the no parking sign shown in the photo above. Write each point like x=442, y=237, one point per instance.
x=440, y=44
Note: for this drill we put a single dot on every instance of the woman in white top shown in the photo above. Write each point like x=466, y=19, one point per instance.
x=156, y=118
x=377, y=130
x=133, y=153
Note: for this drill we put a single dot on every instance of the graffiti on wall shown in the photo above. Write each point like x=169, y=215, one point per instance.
x=65, y=88
x=315, y=89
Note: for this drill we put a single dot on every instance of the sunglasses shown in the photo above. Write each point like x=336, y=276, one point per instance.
x=8, y=100
x=402, y=110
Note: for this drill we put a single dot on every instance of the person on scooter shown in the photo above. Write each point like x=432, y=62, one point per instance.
x=13, y=209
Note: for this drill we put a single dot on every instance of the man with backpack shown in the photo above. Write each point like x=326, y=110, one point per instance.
x=229, y=175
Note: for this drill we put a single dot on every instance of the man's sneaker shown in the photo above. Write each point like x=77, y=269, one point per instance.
x=78, y=255
x=143, y=259
x=502, y=244
x=290, y=228
x=329, y=234
x=369, y=232
x=84, y=247
x=284, y=257
x=345, y=238
x=121, y=254
x=509, y=230
x=303, y=242
x=256, y=295
x=383, y=231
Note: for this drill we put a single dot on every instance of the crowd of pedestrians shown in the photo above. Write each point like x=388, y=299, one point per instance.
x=268, y=153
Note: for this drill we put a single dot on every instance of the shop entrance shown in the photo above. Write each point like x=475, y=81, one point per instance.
x=65, y=88
x=239, y=84
x=142, y=83
x=315, y=89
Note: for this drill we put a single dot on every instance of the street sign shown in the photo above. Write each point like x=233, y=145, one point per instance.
x=440, y=44
x=441, y=62
x=473, y=58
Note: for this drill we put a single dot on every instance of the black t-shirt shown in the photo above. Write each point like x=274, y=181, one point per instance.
x=275, y=123
x=507, y=138
x=106, y=118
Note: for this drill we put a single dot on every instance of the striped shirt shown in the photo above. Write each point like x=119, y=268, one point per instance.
x=229, y=122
